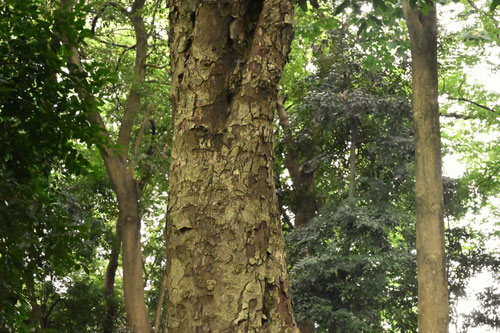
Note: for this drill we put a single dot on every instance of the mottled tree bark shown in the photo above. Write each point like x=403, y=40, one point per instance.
x=432, y=281
x=225, y=250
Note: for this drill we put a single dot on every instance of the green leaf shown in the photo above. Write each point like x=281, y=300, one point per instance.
x=425, y=8
x=302, y=4
x=362, y=27
x=341, y=7
x=314, y=4
x=494, y=4
x=379, y=4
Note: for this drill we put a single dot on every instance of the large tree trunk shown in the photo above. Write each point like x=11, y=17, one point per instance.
x=432, y=281
x=225, y=251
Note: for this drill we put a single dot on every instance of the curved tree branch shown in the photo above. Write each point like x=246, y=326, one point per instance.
x=133, y=100
x=462, y=99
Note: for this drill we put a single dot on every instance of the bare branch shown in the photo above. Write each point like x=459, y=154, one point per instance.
x=128, y=47
x=489, y=176
x=156, y=81
x=159, y=305
x=136, y=6
x=140, y=135
x=462, y=99
x=74, y=58
x=456, y=116
x=156, y=66
x=118, y=63
x=133, y=100
x=283, y=116
x=157, y=4
x=117, y=6
x=473, y=5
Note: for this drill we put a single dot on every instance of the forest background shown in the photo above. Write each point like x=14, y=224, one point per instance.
x=344, y=163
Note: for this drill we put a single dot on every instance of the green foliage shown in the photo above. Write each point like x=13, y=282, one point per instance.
x=346, y=261
x=78, y=307
x=353, y=266
x=45, y=231
x=40, y=114
x=494, y=4
x=345, y=276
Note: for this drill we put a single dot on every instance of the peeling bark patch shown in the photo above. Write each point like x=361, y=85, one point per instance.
x=214, y=116
x=184, y=229
x=255, y=67
x=261, y=239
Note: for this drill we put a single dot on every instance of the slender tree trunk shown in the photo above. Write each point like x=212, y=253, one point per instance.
x=36, y=309
x=225, y=250
x=129, y=219
x=159, y=305
x=433, y=304
x=122, y=178
x=109, y=283
x=346, y=246
x=304, y=209
x=352, y=159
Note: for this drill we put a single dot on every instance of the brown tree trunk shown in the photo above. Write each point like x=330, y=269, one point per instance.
x=302, y=173
x=304, y=207
x=225, y=250
x=129, y=219
x=159, y=305
x=122, y=178
x=36, y=309
x=352, y=159
x=109, y=284
x=433, y=304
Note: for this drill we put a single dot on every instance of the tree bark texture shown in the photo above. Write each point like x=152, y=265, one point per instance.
x=433, y=307
x=225, y=250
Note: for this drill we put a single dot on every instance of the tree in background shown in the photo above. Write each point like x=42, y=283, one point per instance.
x=42, y=126
x=120, y=158
x=310, y=143
x=353, y=137
x=61, y=104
